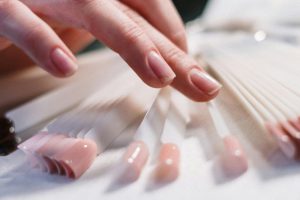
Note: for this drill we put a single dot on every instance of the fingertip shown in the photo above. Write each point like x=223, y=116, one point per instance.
x=64, y=65
x=160, y=68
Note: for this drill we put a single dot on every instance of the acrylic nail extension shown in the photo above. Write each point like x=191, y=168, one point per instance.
x=160, y=68
x=284, y=141
x=63, y=62
x=234, y=158
x=234, y=161
x=204, y=82
x=168, y=164
x=134, y=160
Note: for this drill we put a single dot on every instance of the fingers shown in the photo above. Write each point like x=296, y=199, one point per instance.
x=190, y=79
x=36, y=38
x=124, y=36
x=76, y=39
x=163, y=16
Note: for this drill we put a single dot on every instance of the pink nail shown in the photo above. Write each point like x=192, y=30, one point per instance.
x=134, y=160
x=160, y=68
x=204, y=82
x=284, y=142
x=78, y=158
x=63, y=62
x=169, y=159
x=234, y=158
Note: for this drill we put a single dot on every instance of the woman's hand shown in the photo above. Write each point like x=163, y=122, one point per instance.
x=148, y=35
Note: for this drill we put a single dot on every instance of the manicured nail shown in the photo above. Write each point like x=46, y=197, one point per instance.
x=160, y=68
x=204, y=82
x=63, y=62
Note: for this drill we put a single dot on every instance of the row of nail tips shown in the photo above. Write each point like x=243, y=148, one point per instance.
x=270, y=98
x=102, y=126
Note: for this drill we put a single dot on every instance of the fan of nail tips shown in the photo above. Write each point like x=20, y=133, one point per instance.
x=267, y=85
x=94, y=124
x=88, y=128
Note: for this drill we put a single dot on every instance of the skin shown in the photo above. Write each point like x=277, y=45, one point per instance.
x=32, y=30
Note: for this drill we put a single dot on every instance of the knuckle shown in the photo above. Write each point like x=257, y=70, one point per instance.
x=178, y=37
x=31, y=35
x=175, y=54
x=132, y=33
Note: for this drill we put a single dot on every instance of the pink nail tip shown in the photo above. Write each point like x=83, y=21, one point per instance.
x=57, y=154
x=290, y=129
x=134, y=160
x=168, y=165
x=296, y=124
x=234, y=158
x=79, y=157
x=284, y=142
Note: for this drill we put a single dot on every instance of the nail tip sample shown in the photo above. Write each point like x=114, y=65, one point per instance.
x=168, y=166
x=234, y=160
x=58, y=154
x=134, y=160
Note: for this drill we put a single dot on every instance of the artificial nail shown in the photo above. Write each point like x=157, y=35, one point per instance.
x=63, y=62
x=204, y=82
x=134, y=160
x=56, y=153
x=234, y=158
x=284, y=142
x=160, y=67
x=168, y=165
x=78, y=158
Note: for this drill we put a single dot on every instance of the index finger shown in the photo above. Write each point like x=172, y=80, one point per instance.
x=164, y=17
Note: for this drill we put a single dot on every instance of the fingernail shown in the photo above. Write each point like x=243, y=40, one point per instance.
x=160, y=67
x=63, y=62
x=204, y=82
